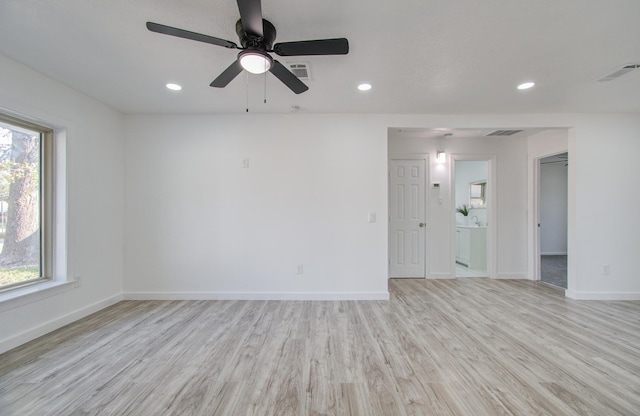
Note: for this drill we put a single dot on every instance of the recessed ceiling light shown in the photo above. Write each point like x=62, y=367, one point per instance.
x=174, y=87
x=364, y=87
x=526, y=85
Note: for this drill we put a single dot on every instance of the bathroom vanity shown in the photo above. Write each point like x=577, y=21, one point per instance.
x=471, y=246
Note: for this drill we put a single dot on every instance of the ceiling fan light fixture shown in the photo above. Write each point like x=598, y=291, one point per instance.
x=255, y=62
x=364, y=87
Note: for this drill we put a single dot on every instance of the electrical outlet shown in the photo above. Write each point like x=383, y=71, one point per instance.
x=76, y=281
x=245, y=163
x=300, y=269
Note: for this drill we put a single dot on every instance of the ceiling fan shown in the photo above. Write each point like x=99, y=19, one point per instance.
x=256, y=39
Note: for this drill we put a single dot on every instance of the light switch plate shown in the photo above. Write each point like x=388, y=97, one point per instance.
x=372, y=217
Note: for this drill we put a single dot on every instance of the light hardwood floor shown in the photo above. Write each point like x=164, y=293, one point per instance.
x=449, y=347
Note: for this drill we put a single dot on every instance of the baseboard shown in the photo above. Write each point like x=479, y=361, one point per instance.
x=560, y=253
x=512, y=276
x=602, y=295
x=435, y=276
x=33, y=333
x=256, y=296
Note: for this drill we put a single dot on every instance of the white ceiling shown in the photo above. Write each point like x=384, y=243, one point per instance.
x=422, y=56
x=461, y=133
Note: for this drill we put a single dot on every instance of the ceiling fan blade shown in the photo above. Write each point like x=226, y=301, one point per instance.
x=287, y=78
x=227, y=75
x=338, y=46
x=181, y=33
x=251, y=16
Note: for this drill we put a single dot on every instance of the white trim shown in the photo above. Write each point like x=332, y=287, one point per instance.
x=33, y=333
x=491, y=203
x=256, y=296
x=406, y=277
x=440, y=276
x=533, y=217
x=512, y=276
x=20, y=296
x=60, y=233
x=602, y=295
x=60, y=208
x=533, y=185
x=550, y=146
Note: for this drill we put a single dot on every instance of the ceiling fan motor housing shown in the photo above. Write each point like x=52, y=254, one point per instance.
x=264, y=43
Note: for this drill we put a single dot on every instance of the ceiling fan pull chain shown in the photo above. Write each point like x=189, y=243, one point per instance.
x=247, y=78
x=265, y=87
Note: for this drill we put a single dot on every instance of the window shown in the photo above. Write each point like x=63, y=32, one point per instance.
x=26, y=182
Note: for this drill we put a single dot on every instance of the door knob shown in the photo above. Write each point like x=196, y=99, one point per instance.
x=422, y=225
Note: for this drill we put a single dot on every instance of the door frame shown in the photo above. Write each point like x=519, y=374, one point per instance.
x=491, y=209
x=409, y=156
x=537, y=256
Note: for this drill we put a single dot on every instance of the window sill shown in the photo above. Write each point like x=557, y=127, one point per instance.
x=32, y=293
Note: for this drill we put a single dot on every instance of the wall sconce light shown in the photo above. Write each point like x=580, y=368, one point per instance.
x=441, y=157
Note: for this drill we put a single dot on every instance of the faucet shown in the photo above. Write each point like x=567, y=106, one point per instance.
x=474, y=219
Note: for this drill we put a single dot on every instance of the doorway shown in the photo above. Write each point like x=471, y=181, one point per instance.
x=552, y=219
x=471, y=189
x=407, y=216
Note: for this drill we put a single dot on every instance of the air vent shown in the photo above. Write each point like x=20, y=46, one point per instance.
x=503, y=132
x=618, y=72
x=301, y=70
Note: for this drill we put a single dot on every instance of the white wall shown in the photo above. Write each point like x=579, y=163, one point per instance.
x=200, y=225
x=511, y=201
x=602, y=218
x=553, y=208
x=95, y=165
x=343, y=159
x=600, y=189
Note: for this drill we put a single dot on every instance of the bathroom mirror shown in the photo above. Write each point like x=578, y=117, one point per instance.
x=477, y=194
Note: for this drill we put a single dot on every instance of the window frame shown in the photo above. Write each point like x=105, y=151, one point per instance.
x=47, y=202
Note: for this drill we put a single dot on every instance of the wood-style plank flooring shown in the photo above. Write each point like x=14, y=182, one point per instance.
x=448, y=347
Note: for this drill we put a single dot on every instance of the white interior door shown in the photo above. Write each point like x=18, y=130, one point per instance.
x=407, y=228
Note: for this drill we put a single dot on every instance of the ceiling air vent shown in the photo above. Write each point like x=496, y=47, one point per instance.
x=617, y=73
x=503, y=132
x=300, y=70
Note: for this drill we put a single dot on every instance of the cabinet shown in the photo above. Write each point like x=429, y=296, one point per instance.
x=471, y=247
